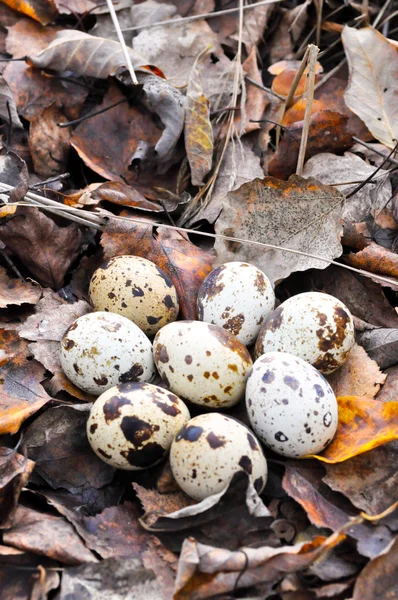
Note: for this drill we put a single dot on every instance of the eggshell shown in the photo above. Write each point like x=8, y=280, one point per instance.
x=313, y=326
x=236, y=296
x=131, y=426
x=291, y=406
x=135, y=288
x=100, y=350
x=210, y=449
x=202, y=363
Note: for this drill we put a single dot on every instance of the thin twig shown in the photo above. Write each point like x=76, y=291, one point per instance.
x=122, y=41
x=381, y=13
x=312, y=56
x=265, y=89
x=369, y=147
x=93, y=114
x=319, y=10
x=201, y=16
x=360, y=186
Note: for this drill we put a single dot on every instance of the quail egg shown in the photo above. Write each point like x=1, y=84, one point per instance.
x=100, y=350
x=209, y=450
x=131, y=426
x=313, y=326
x=291, y=406
x=236, y=296
x=202, y=363
x=135, y=288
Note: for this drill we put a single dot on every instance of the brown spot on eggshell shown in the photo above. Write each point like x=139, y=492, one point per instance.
x=258, y=484
x=211, y=286
x=111, y=295
x=93, y=427
x=102, y=380
x=165, y=278
x=153, y=320
x=246, y=464
x=228, y=389
x=215, y=375
x=233, y=368
x=77, y=369
x=161, y=354
x=206, y=374
x=136, y=431
x=234, y=324
x=252, y=442
x=291, y=382
x=268, y=377
x=190, y=377
x=260, y=283
x=215, y=441
x=137, y=292
x=230, y=341
x=168, y=301
x=135, y=371
x=188, y=359
x=147, y=455
x=103, y=453
x=68, y=343
x=172, y=411
x=111, y=327
x=112, y=407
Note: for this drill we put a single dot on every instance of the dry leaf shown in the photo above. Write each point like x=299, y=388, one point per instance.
x=17, y=291
x=379, y=577
x=372, y=90
x=15, y=470
x=369, y=480
x=299, y=214
x=8, y=110
x=46, y=249
x=43, y=11
x=327, y=133
x=359, y=376
x=48, y=143
x=198, y=129
x=375, y=259
x=364, y=424
x=381, y=345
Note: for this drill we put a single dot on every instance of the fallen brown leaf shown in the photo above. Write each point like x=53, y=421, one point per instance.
x=158, y=505
x=359, y=376
x=364, y=424
x=369, y=480
x=29, y=586
x=46, y=249
x=185, y=264
x=381, y=345
x=43, y=11
x=327, y=133
x=163, y=563
x=375, y=259
x=113, y=191
x=7, y=105
x=15, y=470
x=49, y=144
x=256, y=100
x=198, y=129
x=47, y=535
x=300, y=214
x=389, y=390
x=17, y=291
x=15, y=351
x=379, y=578
x=21, y=395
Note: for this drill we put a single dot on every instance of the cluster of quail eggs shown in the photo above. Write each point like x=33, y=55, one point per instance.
x=134, y=424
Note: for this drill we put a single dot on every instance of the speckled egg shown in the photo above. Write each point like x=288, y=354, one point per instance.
x=210, y=449
x=137, y=289
x=131, y=426
x=202, y=363
x=291, y=406
x=313, y=326
x=236, y=296
x=100, y=350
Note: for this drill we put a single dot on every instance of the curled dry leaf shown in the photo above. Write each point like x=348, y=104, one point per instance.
x=47, y=535
x=198, y=129
x=185, y=264
x=328, y=132
x=116, y=192
x=48, y=143
x=157, y=505
x=359, y=376
x=363, y=424
x=381, y=345
x=205, y=571
x=372, y=88
x=300, y=214
x=17, y=291
x=15, y=470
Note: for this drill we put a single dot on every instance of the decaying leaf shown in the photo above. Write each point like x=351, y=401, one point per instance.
x=157, y=505
x=198, y=129
x=369, y=480
x=373, y=90
x=21, y=395
x=359, y=376
x=381, y=345
x=376, y=259
x=300, y=214
x=364, y=424
x=8, y=109
x=46, y=249
x=15, y=470
x=16, y=291
x=186, y=264
x=328, y=132
x=379, y=578
x=116, y=192
x=44, y=11
x=205, y=571
x=49, y=144
x=47, y=535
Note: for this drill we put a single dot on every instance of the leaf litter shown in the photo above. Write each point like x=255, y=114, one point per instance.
x=92, y=167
